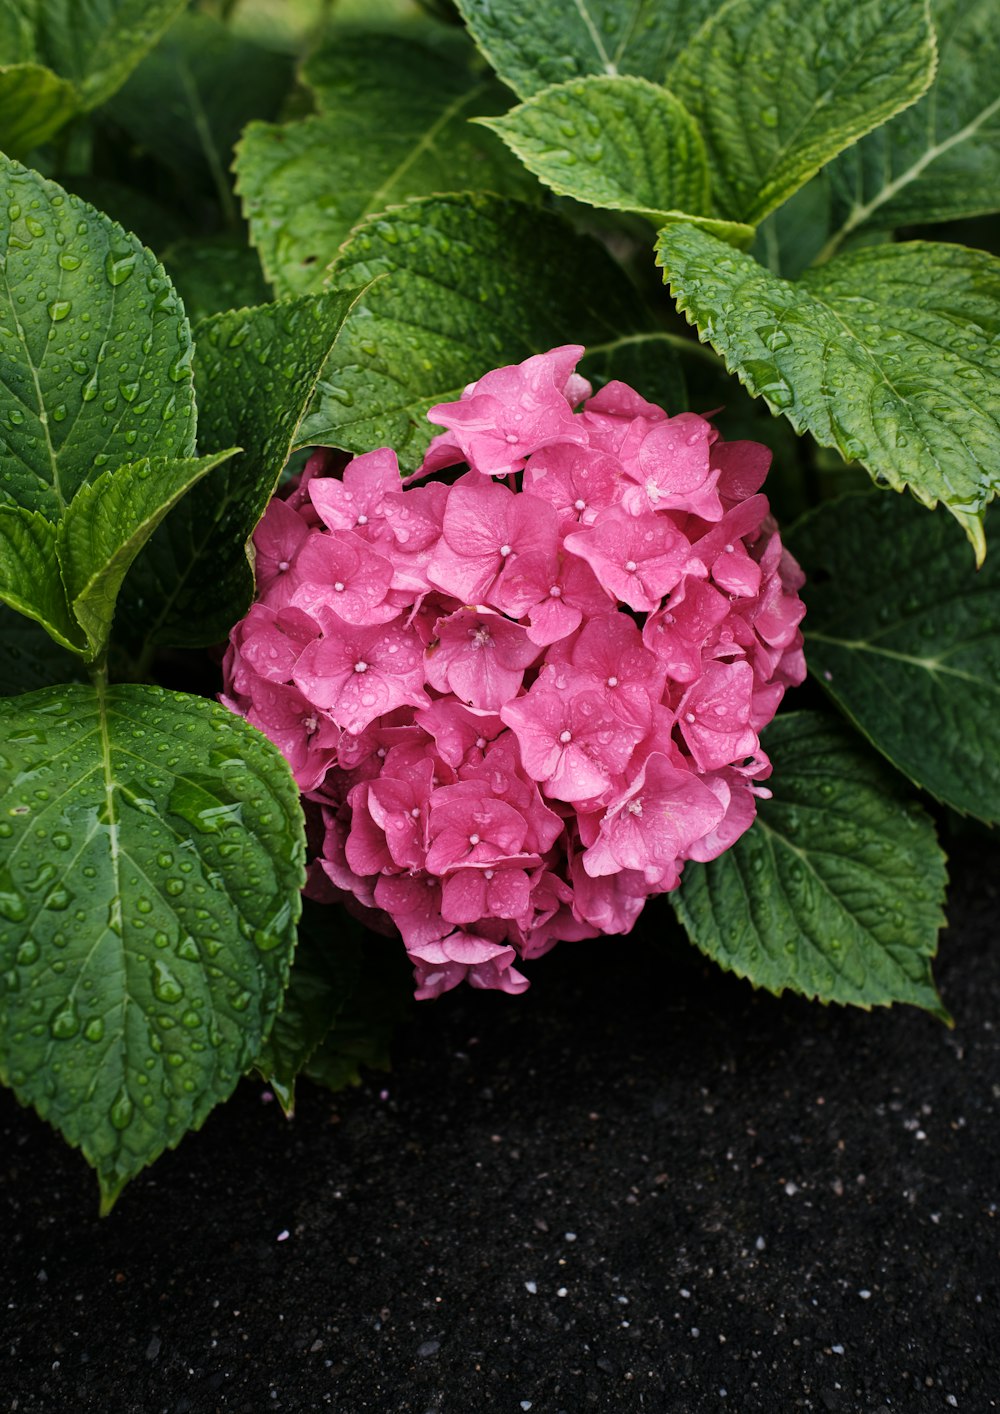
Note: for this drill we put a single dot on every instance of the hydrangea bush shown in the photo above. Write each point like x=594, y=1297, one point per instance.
x=504, y=661
x=518, y=700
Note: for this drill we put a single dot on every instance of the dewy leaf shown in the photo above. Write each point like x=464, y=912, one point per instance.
x=95, y=350
x=888, y=354
x=97, y=45
x=533, y=45
x=323, y=978
x=780, y=87
x=29, y=575
x=105, y=526
x=256, y=371
x=470, y=283
x=151, y=855
x=905, y=637
x=614, y=141
x=940, y=160
x=836, y=890
x=189, y=100
x=393, y=124
x=34, y=104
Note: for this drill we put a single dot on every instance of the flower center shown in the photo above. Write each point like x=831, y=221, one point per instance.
x=505, y=550
x=473, y=840
x=283, y=565
x=612, y=682
x=339, y=586
x=630, y=565
x=555, y=592
x=361, y=666
x=634, y=807
x=565, y=737
x=481, y=638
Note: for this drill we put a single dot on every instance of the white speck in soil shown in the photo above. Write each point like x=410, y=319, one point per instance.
x=428, y=1348
x=530, y=1287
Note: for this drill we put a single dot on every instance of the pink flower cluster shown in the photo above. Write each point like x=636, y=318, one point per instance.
x=521, y=696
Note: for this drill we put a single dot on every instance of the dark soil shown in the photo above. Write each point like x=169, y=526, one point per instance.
x=641, y=1186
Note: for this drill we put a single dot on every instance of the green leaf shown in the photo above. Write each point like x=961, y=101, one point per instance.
x=151, y=855
x=256, y=371
x=618, y=142
x=106, y=525
x=34, y=104
x=97, y=45
x=323, y=978
x=29, y=658
x=940, y=160
x=212, y=275
x=29, y=575
x=190, y=99
x=836, y=889
x=393, y=124
x=94, y=346
x=532, y=45
x=905, y=637
x=17, y=35
x=888, y=354
x=779, y=88
x=471, y=282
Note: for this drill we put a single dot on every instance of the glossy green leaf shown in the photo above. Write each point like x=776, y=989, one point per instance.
x=940, y=160
x=324, y=977
x=779, y=87
x=190, y=99
x=151, y=855
x=904, y=635
x=888, y=354
x=94, y=345
x=618, y=142
x=534, y=43
x=393, y=123
x=29, y=574
x=34, y=104
x=447, y=310
x=97, y=44
x=256, y=371
x=105, y=526
x=837, y=888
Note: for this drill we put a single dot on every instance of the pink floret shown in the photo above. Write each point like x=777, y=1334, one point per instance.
x=517, y=706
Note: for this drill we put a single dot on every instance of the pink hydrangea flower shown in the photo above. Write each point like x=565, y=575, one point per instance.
x=516, y=708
